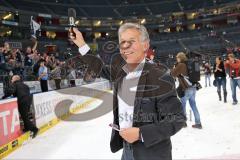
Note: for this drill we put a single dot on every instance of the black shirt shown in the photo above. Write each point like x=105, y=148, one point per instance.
x=219, y=73
x=21, y=91
x=27, y=61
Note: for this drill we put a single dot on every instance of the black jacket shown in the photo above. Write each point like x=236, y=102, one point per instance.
x=157, y=110
x=22, y=92
x=219, y=73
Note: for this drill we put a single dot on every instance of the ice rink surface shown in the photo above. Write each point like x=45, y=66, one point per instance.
x=219, y=138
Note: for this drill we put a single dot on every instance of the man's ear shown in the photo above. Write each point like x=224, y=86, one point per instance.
x=146, y=45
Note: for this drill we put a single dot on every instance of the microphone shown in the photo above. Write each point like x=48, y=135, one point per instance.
x=72, y=17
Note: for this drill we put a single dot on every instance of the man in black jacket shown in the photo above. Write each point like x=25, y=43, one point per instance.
x=24, y=100
x=145, y=106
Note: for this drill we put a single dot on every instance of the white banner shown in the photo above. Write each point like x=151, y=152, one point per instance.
x=45, y=103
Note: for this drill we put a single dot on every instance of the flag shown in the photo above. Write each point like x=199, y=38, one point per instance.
x=34, y=27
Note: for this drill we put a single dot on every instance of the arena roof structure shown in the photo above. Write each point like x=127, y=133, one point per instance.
x=112, y=8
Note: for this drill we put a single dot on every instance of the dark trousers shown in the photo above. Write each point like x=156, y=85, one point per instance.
x=24, y=112
x=44, y=85
x=221, y=81
x=58, y=83
x=127, y=152
x=72, y=83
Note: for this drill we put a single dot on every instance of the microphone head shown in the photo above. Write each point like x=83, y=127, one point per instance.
x=71, y=12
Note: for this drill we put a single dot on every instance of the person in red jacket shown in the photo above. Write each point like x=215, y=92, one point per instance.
x=233, y=66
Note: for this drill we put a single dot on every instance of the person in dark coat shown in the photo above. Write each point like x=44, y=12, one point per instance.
x=144, y=92
x=24, y=100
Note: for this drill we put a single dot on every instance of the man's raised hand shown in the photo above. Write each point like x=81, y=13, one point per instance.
x=79, y=40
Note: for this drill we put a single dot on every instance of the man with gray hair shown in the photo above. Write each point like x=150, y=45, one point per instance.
x=146, y=109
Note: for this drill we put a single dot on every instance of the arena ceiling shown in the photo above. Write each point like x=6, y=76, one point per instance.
x=112, y=8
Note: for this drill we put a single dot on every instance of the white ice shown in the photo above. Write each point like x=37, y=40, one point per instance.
x=219, y=138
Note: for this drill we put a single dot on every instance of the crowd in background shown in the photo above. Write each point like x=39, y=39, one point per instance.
x=32, y=66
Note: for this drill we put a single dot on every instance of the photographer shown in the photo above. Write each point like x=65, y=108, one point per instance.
x=232, y=64
x=188, y=90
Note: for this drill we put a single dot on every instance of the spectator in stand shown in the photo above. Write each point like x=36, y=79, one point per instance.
x=43, y=76
x=72, y=76
x=16, y=61
x=45, y=56
x=2, y=58
x=6, y=67
x=151, y=59
x=50, y=61
x=233, y=65
x=27, y=60
x=150, y=55
x=6, y=52
x=56, y=75
x=35, y=57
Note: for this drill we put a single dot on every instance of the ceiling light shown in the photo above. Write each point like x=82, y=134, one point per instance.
x=143, y=21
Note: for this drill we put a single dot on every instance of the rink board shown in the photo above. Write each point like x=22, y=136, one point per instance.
x=44, y=106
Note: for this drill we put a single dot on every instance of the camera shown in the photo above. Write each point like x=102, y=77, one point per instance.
x=233, y=74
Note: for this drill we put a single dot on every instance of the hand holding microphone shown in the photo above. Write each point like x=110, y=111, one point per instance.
x=74, y=34
x=72, y=17
x=78, y=39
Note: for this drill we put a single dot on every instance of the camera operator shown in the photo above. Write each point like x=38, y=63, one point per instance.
x=232, y=65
